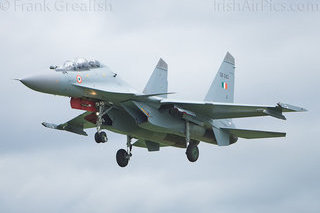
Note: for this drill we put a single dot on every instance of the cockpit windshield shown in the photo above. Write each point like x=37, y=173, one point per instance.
x=79, y=64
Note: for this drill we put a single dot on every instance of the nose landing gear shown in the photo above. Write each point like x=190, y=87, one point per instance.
x=100, y=136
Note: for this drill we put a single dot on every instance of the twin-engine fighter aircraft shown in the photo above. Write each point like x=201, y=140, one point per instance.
x=149, y=117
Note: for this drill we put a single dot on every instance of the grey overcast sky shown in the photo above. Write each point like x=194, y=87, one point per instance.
x=276, y=46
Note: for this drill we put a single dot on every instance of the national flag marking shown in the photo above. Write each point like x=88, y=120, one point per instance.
x=224, y=85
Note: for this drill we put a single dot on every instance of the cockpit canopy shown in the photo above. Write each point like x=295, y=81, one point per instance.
x=79, y=64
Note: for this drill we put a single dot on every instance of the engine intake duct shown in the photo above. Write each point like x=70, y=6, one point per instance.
x=181, y=113
x=83, y=104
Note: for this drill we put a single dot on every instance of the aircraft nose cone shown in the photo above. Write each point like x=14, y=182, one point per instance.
x=30, y=82
x=34, y=82
x=42, y=83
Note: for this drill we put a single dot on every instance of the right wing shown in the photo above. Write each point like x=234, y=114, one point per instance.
x=211, y=110
x=76, y=125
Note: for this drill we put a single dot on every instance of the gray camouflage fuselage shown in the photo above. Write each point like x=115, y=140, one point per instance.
x=161, y=127
x=149, y=116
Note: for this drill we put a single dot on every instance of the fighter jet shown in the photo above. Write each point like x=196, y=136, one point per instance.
x=149, y=119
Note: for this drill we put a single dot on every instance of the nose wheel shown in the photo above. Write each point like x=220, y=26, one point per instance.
x=101, y=137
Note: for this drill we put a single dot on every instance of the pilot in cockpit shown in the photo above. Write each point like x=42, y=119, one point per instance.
x=78, y=65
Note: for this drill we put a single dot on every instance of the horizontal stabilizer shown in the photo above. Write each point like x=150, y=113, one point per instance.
x=253, y=134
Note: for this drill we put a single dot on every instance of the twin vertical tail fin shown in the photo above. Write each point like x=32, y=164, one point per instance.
x=222, y=87
x=222, y=90
x=158, y=82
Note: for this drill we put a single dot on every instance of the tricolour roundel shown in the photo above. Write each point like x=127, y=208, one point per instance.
x=79, y=79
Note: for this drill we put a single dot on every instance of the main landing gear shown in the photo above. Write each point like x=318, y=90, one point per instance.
x=192, y=151
x=124, y=156
x=100, y=136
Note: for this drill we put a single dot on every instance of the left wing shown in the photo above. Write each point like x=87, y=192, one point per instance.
x=76, y=125
x=211, y=110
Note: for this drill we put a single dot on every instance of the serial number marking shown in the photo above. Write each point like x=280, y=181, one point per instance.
x=225, y=76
